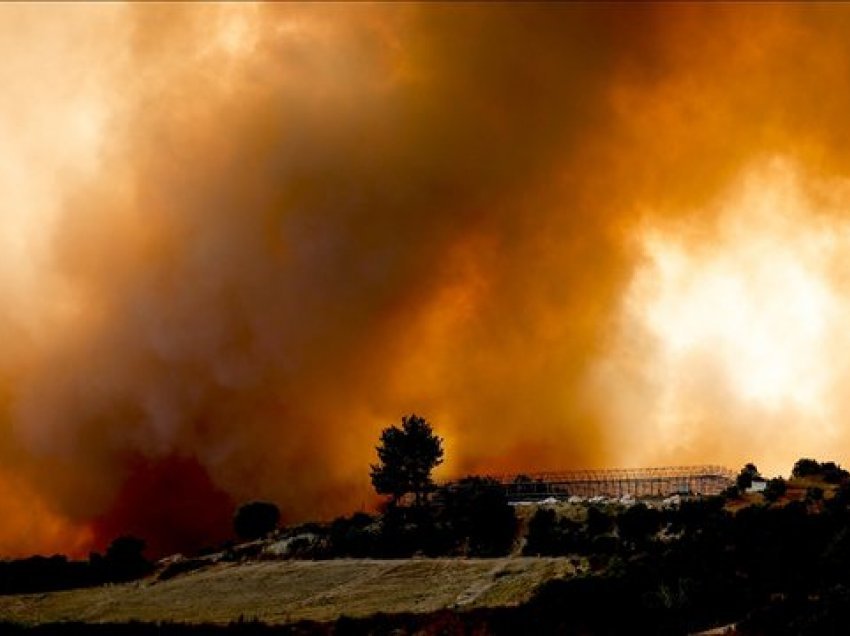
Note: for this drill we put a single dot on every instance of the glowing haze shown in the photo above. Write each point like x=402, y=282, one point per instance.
x=236, y=241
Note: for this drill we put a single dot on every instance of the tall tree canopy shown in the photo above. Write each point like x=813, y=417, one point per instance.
x=407, y=455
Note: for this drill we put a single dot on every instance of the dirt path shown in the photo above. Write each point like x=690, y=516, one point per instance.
x=480, y=586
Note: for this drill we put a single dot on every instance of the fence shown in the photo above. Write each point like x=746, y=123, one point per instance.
x=636, y=482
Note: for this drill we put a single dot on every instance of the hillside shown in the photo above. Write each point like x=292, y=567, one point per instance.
x=285, y=591
x=676, y=565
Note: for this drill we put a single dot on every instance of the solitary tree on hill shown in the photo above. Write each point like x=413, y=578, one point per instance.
x=407, y=455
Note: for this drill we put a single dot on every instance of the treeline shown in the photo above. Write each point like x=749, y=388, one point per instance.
x=829, y=472
x=472, y=518
x=123, y=561
x=771, y=562
x=771, y=568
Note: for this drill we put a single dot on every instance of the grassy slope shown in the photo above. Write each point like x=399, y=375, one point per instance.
x=284, y=591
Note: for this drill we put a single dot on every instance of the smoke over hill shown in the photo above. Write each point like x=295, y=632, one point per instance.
x=238, y=241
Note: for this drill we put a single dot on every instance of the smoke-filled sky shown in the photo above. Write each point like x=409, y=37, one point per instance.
x=237, y=241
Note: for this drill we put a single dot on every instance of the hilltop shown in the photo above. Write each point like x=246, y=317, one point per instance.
x=760, y=560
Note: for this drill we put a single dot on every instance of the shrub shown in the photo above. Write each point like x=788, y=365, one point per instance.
x=408, y=531
x=543, y=536
x=775, y=489
x=746, y=476
x=353, y=536
x=124, y=559
x=477, y=510
x=255, y=520
x=833, y=473
x=732, y=492
x=830, y=472
x=638, y=523
x=805, y=468
x=814, y=493
x=598, y=522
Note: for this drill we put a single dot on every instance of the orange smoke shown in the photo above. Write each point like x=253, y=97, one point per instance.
x=239, y=240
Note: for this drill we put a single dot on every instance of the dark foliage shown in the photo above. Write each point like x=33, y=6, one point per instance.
x=354, y=536
x=787, y=569
x=547, y=535
x=732, y=492
x=477, y=511
x=771, y=569
x=830, y=472
x=814, y=494
x=255, y=520
x=124, y=561
x=695, y=516
x=722, y=568
x=474, y=519
x=775, y=489
x=598, y=522
x=833, y=473
x=638, y=523
x=411, y=531
x=826, y=613
x=805, y=468
x=840, y=498
x=551, y=535
x=407, y=455
x=746, y=476
x=42, y=574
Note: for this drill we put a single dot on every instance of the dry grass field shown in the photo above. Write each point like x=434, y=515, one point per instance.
x=284, y=591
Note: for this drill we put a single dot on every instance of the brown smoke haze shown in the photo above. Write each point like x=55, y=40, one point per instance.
x=239, y=240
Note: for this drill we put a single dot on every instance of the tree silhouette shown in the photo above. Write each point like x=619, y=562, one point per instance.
x=125, y=559
x=746, y=476
x=255, y=519
x=775, y=489
x=805, y=467
x=477, y=508
x=407, y=456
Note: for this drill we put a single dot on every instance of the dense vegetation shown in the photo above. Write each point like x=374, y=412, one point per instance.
x=775, y=562
x=472, y=518
x=124, y=560
x=255, y=520
x=775, y=566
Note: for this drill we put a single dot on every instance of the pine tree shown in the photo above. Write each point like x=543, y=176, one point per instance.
x=407, y=455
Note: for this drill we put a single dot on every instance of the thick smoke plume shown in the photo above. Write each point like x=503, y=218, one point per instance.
x=239, y=240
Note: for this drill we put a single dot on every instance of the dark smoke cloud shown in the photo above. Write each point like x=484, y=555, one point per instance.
x=306, y=221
